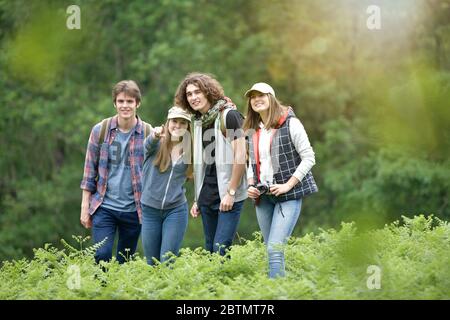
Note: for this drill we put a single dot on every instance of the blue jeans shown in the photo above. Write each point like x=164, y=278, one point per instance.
x=277, y=221
x=105, y=223
x=163, y=231
x=220, y=227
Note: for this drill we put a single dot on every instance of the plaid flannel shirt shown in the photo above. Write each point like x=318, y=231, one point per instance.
x=96, y=164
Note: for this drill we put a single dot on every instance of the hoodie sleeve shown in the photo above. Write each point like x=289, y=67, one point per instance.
x=303, y=147
x=151, y=146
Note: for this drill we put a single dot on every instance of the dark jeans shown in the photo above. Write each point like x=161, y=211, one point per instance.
x=105, y=223
x=220, y=227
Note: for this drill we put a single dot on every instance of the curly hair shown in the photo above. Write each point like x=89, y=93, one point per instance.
x=210, y=87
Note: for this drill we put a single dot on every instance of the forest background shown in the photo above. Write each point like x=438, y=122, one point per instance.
x=374, y=99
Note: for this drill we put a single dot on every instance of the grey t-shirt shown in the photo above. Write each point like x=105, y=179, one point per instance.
x=119, y=190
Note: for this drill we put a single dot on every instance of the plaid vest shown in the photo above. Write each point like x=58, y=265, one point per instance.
x=285, y=160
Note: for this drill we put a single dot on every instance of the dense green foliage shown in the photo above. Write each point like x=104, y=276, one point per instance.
x=413, y=258
x=375, y=103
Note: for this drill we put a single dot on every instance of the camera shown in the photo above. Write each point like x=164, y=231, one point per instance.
x=263, y=188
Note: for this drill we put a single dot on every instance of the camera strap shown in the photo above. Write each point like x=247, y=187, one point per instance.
x=256, y=138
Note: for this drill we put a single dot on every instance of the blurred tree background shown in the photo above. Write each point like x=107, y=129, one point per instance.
x=375, y=103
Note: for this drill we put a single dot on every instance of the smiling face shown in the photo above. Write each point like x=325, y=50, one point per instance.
x=178, y=127
x=126, y=106
x=259, y=101
x=197, y=99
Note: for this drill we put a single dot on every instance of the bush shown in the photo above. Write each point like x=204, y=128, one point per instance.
x=413, y=258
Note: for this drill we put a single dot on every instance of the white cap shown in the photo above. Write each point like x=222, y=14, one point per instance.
x=261, y=87
x=177, y=112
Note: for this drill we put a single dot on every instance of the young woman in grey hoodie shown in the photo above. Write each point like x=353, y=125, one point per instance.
x=167, y=165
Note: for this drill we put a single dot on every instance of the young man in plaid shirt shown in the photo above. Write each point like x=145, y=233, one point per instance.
x=112, y=175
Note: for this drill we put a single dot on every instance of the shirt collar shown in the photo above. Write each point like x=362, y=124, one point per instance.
x=137, y=128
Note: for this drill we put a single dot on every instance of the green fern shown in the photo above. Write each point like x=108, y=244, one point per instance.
x=88, y=251
x=332, y=264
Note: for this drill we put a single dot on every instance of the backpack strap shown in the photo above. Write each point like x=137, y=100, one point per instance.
x=223, y=116
x=107, y=121
x=105, y=125
x=101, y=139
x=147, y=129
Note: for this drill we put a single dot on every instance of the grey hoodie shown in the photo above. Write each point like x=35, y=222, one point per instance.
x=162, y=190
